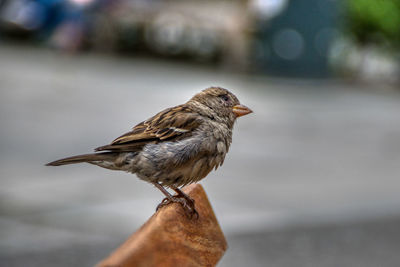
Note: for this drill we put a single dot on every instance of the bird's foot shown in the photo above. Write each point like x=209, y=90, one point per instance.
x=186, y=202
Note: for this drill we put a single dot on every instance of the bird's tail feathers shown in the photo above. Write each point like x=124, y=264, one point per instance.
x=83, y=158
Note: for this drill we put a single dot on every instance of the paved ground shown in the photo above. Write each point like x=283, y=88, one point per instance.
x=369, y=244
x=312, y=178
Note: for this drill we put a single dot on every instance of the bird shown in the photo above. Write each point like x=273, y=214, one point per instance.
x=176, y=147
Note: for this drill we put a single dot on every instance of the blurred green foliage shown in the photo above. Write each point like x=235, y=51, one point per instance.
x=375, y=21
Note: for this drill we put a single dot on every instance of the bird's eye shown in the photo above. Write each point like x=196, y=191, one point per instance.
x=225, y=98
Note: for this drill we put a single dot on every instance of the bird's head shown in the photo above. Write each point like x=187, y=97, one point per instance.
x=220, y=104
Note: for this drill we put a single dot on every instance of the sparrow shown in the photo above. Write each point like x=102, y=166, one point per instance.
x=175, y=147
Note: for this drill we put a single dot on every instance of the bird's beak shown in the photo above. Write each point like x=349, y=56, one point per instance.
x=241, y=110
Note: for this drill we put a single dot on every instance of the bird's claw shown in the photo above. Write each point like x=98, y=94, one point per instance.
x=163, y=203
x=186, y=203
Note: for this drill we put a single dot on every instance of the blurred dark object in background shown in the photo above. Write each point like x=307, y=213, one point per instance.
x=297, y=39
x=206, y=31
x=58, y=23
x=312, y=39
x=200, y=30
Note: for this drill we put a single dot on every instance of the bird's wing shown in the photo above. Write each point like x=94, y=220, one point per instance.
x=172, y=123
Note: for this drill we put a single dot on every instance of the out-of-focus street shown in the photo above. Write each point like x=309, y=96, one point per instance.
x=312, y=177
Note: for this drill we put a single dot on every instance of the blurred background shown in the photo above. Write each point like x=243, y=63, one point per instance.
x=312, y=177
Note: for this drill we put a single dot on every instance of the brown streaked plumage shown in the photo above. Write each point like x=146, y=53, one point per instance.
x=176, y=147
